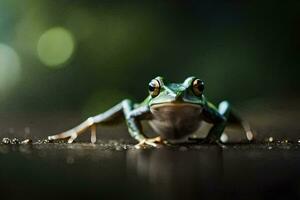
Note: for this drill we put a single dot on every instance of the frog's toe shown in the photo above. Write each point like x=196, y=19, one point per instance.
x=224, y=138
x=72, y=138
x=144, y=144
x=250, y=135
x=154, y=142
x=140, y=145
x=71, y=134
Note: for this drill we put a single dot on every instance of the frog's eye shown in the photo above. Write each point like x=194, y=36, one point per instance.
x=154, y=87
x=198, y=87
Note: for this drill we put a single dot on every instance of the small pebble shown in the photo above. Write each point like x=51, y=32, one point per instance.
x=26, y=141
x=284, y=142
x=271, y=139
x=15, y=141
x=44, y=141
x=118, y=148
x=6, y=141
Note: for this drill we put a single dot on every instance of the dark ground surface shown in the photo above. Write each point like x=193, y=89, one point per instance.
x=113, y=169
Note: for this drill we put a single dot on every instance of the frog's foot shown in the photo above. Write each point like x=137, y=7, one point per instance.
x=72, y=134
x=154, y=142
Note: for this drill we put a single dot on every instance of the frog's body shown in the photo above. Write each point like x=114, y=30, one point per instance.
x=173, y=110
x=175, y=121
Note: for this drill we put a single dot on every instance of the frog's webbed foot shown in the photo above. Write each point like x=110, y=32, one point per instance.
x=154, y=142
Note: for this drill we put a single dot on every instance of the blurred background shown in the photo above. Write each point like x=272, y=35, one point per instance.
x=85, y=56
x=64, y=60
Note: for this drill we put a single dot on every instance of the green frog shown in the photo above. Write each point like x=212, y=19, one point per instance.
x=173, y=110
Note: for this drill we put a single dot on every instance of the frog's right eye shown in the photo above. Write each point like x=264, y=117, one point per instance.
x=154, y=87
x=198, y=87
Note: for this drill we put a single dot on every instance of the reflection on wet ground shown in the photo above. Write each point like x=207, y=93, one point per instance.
x=114, y=169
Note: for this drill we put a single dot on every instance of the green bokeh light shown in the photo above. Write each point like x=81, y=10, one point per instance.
x=55, y=47
x=10, y=68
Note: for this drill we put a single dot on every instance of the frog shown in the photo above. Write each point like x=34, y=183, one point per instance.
x=173, y=110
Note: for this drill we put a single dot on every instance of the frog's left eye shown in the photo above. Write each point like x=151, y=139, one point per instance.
x=198, y=87
x=154, y=87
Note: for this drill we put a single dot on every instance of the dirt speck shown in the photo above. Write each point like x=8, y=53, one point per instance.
x=6, y=141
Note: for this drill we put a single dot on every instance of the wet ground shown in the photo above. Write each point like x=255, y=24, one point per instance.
x=112, y=168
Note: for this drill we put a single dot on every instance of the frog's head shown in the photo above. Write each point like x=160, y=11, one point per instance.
x=188, y=92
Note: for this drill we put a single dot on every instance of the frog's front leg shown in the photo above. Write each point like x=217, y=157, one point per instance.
x=134, y=127
x=219, y=117
x=126, y=107
x=233, y=118
x=219, y=123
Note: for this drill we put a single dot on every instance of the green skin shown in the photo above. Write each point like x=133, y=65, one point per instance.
x=174, y=113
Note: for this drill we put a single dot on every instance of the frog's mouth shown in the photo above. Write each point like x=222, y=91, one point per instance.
x=176, y=109
x=175, y=105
